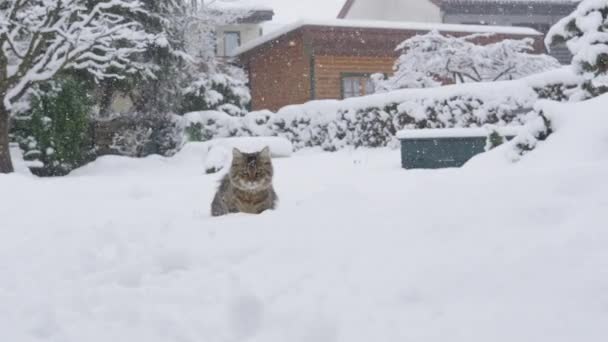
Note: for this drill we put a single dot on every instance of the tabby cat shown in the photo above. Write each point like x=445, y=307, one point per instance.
x=247, y=187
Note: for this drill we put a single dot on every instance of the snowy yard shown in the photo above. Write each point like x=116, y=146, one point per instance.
x=512, y=247
x=359, y=250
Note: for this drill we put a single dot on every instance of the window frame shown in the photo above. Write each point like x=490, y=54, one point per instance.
x=238, y=41
x=362, y=87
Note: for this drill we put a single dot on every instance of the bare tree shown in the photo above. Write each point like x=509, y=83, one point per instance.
x=40, y=38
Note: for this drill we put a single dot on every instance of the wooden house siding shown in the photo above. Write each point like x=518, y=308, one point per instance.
x=329, y=71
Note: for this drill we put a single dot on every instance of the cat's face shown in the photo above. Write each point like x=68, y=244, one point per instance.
x=251, y=171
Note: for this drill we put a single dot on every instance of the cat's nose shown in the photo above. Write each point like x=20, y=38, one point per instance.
x=252, y=172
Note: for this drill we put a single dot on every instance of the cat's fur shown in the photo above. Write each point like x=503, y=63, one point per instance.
x=247, y=187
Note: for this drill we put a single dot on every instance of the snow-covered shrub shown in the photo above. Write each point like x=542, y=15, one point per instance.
x=494, y=139
x=369, y=127
x=430, y=59
x=225, y=89
x=558, y=85
x=54, y=132
x=557, y=92
x=140, y=135
x=207, y=125
x=537, y=130
x=584, y=32
x=132, y=141
x=370, y=121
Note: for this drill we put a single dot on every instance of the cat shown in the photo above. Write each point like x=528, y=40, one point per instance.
x=247, y=187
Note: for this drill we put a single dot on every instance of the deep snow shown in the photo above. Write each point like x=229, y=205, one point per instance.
x=359, y=250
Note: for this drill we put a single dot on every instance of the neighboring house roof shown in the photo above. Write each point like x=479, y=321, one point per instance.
x=250, y=5
x=509, y=1
x=509, y=7
x=349, y=4
x=257, y=16
x=254, y=13
x=249, y=16
x=344, y=11
x=391, y=25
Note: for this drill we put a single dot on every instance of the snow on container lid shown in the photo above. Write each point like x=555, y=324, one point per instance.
x=474, y=132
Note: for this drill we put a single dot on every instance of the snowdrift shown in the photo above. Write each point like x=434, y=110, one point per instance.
x=359, y=250
x=579, y=135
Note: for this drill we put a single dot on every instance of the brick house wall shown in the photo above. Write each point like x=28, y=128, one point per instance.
x=279, y=73
x=309, y=62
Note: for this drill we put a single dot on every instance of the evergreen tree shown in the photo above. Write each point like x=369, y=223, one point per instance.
x=53, y=133
x=585, y=33
x=185, y=73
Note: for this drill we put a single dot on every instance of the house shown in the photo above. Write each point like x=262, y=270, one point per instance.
x=427, y=11
x=537, y=14
x=245, y=29
x=333, y=59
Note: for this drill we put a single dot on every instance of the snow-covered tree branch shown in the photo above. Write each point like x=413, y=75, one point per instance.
x=432, y=59
x=584, y=31
x=40, y=38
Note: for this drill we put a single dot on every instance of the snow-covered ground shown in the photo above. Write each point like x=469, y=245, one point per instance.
x=359, y=250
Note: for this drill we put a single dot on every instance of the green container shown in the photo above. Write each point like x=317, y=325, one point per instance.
x=443, y=148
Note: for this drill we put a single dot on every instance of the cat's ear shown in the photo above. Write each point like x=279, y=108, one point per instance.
x=236, y=153
x=265, y=153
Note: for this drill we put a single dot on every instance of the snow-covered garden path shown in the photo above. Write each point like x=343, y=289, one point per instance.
x=359, y=250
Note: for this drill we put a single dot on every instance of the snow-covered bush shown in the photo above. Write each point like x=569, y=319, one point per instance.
x=55, y=131
x=207, y=125
x=372, y=121
x=132, y=141
x=375, y=126
x=537, y=130
x=430, y=59
x=140, y=135
x=225, y=89
x=584, y=31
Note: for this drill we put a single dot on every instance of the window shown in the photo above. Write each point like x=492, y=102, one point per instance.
x=356, y=85
x=232, y=40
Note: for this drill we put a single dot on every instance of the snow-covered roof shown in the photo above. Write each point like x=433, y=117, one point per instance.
x=413, y=26
x=507, y=1
x=245, y=5
x=247, y=11
x=348, y=4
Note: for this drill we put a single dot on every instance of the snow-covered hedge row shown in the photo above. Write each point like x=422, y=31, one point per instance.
x=372, y=121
